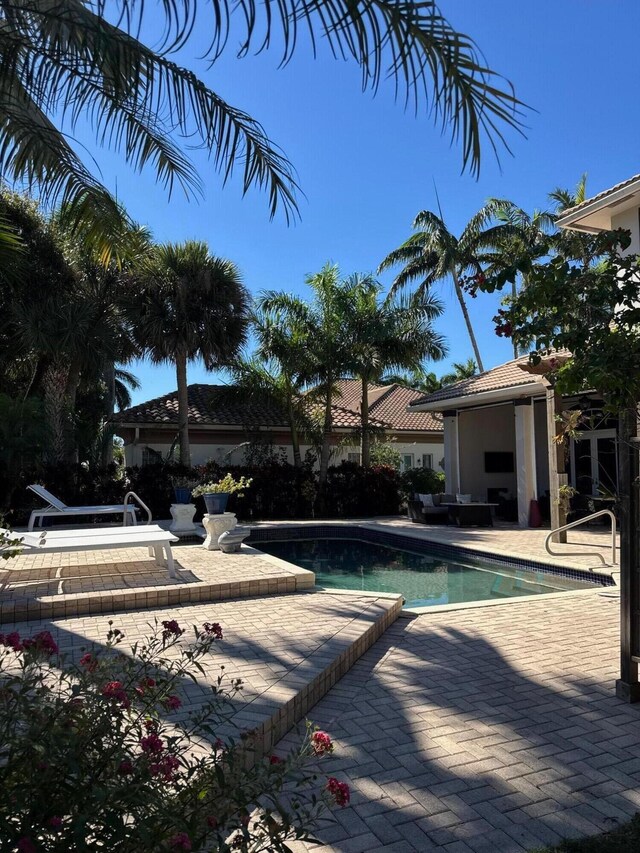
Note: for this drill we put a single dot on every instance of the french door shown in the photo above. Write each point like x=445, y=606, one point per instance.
x=594, y=463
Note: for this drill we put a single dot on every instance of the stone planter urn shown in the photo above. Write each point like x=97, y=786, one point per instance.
x=182, y=515
x=215, y=526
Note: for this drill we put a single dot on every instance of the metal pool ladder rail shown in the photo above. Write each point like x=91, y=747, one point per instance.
x=140, y=503
x=586, y=553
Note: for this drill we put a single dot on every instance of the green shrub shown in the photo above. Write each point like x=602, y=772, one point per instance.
x=424, y=481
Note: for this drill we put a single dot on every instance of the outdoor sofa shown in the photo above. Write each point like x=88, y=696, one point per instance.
x=430, y=511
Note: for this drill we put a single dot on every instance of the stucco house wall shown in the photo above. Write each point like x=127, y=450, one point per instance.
x=481, y=431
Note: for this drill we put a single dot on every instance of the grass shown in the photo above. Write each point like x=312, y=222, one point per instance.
x=624, y=839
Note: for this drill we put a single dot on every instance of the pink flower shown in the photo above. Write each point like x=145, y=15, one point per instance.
x=339, y=791
x=181, y=841
x=12, y=641
x=125, y=768
x=152, y=744
x=55, y=822
x=213, y=629
x=26, y=845
x=115, y=690
x=275, y=759
x=166, y=767
x=89, y=662
x=173, y=703
x=321, y=743
x=212, y=822
x=42, y=642
x=171, y=629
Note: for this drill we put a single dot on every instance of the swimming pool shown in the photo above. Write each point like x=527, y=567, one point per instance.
x=420, y=572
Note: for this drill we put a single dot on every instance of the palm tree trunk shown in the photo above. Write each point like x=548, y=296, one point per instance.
x=514, y=293
x=110, y=406
x=325, y=450
x=71, y=393
x=183, y=409
x=295, y=438
x=365, y=438
x=467, y=320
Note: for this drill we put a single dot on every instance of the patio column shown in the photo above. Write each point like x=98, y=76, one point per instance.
x=451, y=452
x=557, y=474
x=527, y=488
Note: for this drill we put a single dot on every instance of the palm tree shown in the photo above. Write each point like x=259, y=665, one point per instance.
x=460, y=370
x=385, y=334
x=319, y=325
x=275, y=372
x=433, y=254
x=190, y=304
x=63, y=63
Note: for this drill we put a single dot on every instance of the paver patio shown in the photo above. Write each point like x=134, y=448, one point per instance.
x=484, y=730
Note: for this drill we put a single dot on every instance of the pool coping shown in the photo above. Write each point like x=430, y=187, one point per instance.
x=602, y=579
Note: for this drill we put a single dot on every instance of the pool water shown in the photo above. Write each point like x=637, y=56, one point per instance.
x=423, y=579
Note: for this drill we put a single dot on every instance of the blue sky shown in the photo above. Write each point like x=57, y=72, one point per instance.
x=367, y=167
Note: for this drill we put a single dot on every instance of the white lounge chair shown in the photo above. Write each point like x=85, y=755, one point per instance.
x=55, y=507
x=150, y=536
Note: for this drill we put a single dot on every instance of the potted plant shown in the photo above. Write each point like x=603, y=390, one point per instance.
x=183, y=488
x=217, y=494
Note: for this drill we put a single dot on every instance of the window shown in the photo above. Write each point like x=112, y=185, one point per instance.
x=407, y=461
x=353, y=457
x=150, y=456
x=427, y=460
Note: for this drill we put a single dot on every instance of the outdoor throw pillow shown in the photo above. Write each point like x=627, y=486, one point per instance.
x=463, y=499
x=427, y=500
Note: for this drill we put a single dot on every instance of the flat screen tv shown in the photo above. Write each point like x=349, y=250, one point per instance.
x=498, y=463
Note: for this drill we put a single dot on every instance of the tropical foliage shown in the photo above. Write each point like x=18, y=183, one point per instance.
x=68, y=64
x=188, y=304
x=433, y=254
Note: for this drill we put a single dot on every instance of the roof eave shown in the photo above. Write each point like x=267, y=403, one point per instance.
x=498, y=395
x=573, y=218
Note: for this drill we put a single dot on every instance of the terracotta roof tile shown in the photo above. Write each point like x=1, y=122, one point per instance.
x=508, y=375
x=571, y=210
x=208, y=406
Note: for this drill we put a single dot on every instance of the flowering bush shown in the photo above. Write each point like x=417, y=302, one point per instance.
x=90, y=757
x=227, y=485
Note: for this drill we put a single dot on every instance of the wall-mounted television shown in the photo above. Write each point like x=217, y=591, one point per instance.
x=498, y=462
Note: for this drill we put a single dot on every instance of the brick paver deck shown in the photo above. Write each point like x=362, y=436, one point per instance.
x=484, y=730
x=288, y=649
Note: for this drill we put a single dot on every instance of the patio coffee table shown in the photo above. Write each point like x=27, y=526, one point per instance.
x=471, y=514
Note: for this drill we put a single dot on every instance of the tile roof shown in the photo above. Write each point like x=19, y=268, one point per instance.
x=209, y=406
x=571, y=210
x=508, y=375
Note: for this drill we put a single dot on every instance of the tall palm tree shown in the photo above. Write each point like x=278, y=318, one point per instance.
x=434, y=254
x=64, y=63
x=383, y=335
x=326, y=347
x=275, y=373
x=190, y=304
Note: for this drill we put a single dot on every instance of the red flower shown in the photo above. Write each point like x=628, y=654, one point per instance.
x=42, y=642
x=321, y=743
x=151, y=725
x=89, y=662
x=166, y=767
x=152, y=743
x=173, y=703
x=171, y=629
x=114, y=690
x=339, y=791
x=181, y=841
x=212, y=822
x=125, y=768
x=12, y=640
x=213, y=629
x=275, y=759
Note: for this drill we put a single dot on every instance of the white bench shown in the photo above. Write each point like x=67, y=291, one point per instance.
x=56, y=507
x=150, y=536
